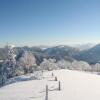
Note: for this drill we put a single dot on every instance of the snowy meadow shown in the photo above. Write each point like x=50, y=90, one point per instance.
x=22, y=78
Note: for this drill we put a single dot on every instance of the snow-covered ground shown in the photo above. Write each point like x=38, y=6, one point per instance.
x=75, y=85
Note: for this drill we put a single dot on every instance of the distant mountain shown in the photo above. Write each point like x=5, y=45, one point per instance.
x=61, y=52
x=84, y=46
x=37, y=52
x=3, y=55
x=43, y=47
x=91, y=55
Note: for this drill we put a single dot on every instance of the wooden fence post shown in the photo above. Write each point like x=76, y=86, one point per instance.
x=46, y=97
x=59, y=85
x=52, y=74
x=56, y=79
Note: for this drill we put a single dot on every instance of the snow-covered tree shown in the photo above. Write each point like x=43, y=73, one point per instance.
x=96, y=67
x=19, y=69
x=27, y=61
x=48, y=64
x=81, y=65
x=63, y=64
x=85, y=66
x=9, y=64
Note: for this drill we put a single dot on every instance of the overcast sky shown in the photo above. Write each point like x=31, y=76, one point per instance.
x=49, y=22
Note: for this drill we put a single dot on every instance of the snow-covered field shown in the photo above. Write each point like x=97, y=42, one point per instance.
x=74, y=86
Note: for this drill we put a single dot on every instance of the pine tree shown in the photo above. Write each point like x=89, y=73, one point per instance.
x=9, y=65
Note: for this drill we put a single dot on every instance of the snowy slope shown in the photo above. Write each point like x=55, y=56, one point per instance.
x=75, y=86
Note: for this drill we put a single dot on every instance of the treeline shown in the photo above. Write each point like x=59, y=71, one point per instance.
x=19, y=61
